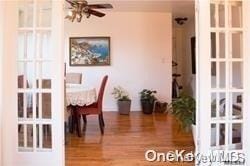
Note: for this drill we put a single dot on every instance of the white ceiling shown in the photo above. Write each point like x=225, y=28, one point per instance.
x=179, y=8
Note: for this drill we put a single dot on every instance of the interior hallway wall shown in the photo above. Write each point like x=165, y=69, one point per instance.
x=182, y=55
x=179, y=55
x=189, y=77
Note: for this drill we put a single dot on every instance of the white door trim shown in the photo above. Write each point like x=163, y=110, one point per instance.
x=58, y=86
x=9, y=80
x=246, y=53
x=203, y=105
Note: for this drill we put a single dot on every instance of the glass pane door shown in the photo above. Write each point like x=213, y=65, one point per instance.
x=223, y=80
x=34, y=76
x=227, y=88
x=33, y=84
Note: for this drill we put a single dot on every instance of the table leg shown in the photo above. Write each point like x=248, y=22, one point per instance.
x=77, y=121
x=71, y=124
x=78, y=126
x=65, y=132
x=74, y=121
x=71, y=119
x=84, y=117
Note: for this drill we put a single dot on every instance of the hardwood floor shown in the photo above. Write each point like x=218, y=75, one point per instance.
x=126, y=139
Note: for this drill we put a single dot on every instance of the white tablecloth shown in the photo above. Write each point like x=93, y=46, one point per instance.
x=80, y=95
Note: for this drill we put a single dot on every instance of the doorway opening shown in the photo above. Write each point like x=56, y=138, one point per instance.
x=127, y=138
x=136, y=62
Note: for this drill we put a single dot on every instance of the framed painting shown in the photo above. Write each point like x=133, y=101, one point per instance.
x=89, y=51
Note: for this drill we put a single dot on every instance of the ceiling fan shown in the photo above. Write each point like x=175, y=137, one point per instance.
x=81, y=7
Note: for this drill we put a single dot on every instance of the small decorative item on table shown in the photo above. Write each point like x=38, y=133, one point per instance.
x=123, y=100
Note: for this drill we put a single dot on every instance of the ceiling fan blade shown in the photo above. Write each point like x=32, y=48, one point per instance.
x=96, y=13
x=100, y=6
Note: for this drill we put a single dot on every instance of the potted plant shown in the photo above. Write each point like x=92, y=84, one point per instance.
x=147, y=100
x=183, y=108
x=123, y=100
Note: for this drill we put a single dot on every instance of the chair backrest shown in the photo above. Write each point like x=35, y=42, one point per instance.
x=74, y=78
x=20, y=95
x=21, y=81
x=101, y=92
x=46, y=99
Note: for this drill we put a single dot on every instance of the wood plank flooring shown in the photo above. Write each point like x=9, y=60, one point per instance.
x=126, y=139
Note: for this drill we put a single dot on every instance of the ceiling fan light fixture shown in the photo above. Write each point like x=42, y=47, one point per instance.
x=70, y=13
x=80, y=7
x=79, y=17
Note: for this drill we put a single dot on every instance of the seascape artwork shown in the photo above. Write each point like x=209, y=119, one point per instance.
x=89, y=51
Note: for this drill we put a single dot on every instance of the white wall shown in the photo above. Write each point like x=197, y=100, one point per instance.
x=189, y=78
x=179, y=55
x=141, y=53
x=182, y=55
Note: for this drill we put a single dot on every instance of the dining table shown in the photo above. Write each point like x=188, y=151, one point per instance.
x=78, y=95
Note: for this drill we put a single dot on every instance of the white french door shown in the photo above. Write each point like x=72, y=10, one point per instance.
x=33, y=103
x=223, y=81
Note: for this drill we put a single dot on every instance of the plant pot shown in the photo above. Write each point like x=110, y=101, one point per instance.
x=124, y=106
x=147, y=106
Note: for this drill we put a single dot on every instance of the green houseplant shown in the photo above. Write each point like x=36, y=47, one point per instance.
x=147, y=100
x=123, y=100
x=183, y=108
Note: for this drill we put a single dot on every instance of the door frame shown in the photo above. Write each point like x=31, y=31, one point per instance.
x=1, y=78
x=203, y=67
x=246, y=52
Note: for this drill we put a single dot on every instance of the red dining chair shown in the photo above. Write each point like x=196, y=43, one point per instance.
x=93, y=109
